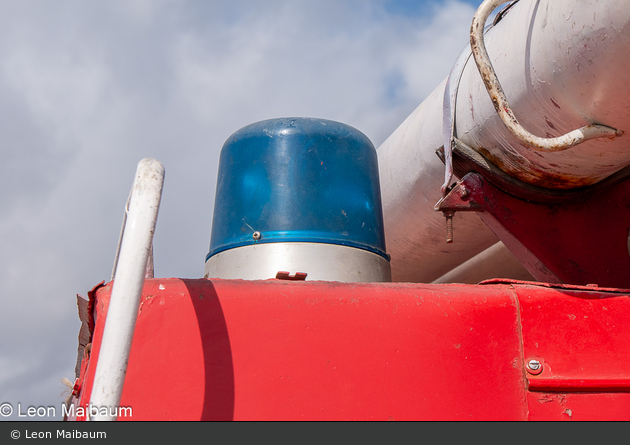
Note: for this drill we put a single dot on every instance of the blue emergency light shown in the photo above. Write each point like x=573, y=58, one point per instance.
x=298, y=180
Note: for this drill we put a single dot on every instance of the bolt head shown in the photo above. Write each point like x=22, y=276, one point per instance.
x=534, y=367
x=256, y=235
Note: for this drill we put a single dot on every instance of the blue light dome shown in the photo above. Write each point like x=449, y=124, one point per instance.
x=298, y=180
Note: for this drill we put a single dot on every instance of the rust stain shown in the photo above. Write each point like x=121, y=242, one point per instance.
x=529, y=173
x=560, y=399
x=148, y=299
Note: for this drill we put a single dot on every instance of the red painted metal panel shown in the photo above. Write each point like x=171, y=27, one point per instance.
x=580, y=407
x=581, y=337
x=286, y=350
x=581, y=241
x=276, y=350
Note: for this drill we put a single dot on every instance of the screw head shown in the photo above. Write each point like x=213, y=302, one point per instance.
x=256, y=235
x=534, y=367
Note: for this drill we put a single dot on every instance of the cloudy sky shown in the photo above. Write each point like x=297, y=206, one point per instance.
x=87, y=89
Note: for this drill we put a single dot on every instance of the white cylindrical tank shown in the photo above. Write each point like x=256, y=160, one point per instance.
x=563, y=64
x=494, y=262
x=411, y=175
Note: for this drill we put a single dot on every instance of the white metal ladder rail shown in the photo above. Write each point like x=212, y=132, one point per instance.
x=130, y=268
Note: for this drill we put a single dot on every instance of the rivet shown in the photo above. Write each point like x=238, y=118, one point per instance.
x=256, y=235
x=534, y=367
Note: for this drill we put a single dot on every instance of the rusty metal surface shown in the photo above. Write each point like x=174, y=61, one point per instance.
x=560, y=286
x=562, y=67
x=86, y=310
x=459, y=200
x=500, y=102
x=467, y=160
